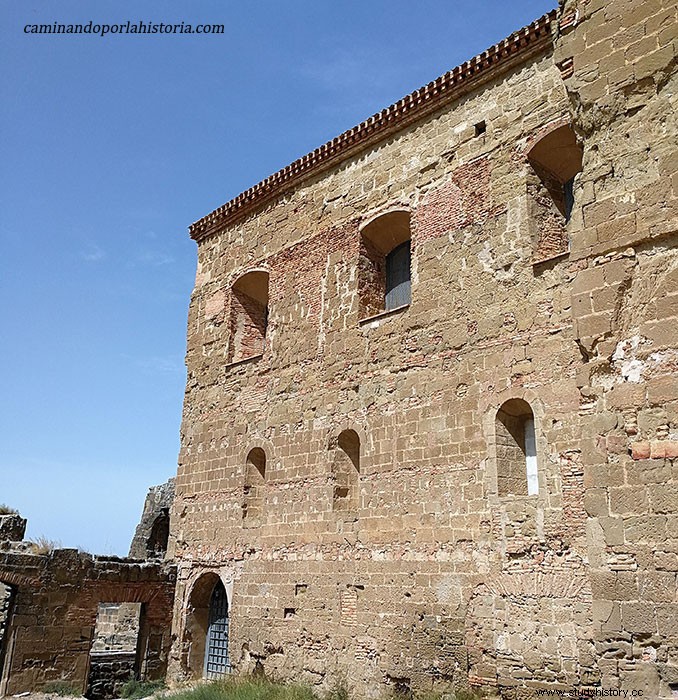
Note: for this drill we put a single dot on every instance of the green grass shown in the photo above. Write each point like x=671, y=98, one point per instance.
x=261, y=689
x=246, y=689
x=61, y=688
x=134, y=689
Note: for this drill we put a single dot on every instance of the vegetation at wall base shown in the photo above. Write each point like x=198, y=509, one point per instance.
x=135, y=690
x=262, y=689
x=61, y=688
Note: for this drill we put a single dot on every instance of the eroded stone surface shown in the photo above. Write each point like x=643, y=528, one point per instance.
x=438, y=577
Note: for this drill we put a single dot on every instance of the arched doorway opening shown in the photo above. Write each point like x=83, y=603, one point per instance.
x=216, y=645
x=207, y=629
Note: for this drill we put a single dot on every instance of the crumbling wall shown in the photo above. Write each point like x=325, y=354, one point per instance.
x=152, y=533
x=54, y=613
x=622, y=86
x=12, y=531
x=12, y=528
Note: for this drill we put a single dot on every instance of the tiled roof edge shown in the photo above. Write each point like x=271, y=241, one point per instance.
x=412, y=107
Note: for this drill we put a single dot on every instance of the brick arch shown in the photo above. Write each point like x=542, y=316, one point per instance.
x=12, y=578
x=238, y=274
x=128, y=593
x=390, y=208
x=261, y=443
x=540, y=133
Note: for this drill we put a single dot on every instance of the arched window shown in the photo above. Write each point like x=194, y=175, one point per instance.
x=249, y=316
x=346, y=473
x=555, y=159
x=253, y=490
x=516, y=450
x=384, y=276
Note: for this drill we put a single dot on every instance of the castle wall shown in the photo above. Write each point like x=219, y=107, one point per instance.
x=623, y=92
x=439, y=577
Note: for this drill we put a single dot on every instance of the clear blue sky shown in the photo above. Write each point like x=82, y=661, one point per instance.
x=110, y=147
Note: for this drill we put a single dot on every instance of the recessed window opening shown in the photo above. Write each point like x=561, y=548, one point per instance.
x=346, y=473
x=253, y=490
x=249, y=316
x=480, y=128
x=384, y=266
x=556, y=159
x=517, y=470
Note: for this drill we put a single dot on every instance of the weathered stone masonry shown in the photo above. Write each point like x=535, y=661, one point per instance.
x=88, y=622
x=478, y=486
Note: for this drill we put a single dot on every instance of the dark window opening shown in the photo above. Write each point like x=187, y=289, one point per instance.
x=253, y=489
x=568, y=192
x=480, y=128
x=156, y=547
x=384, y=265
x=398, y=283
x=555, y=161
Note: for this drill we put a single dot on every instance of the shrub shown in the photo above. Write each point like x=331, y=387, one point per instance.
x=43, y=545
x=61, y=688
x=6, y=510
x=134, y=689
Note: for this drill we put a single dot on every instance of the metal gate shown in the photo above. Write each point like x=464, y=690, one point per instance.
x=216, y=646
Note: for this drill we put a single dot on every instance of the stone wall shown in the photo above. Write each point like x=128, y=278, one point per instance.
x=57, y=597
x=12, y=528
x=623, y=89
x=440, y=576
x=152, y=532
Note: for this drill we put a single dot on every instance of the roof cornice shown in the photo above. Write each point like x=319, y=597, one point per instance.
x=517, y=48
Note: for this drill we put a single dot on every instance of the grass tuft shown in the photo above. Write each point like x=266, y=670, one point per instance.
x=135, y=690
x=60, y=688
x=246, y=689
x=43, y=545
x=6, y=510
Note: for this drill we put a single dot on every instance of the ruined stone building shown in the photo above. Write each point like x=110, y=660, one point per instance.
x=86, y=623
x=430, y=420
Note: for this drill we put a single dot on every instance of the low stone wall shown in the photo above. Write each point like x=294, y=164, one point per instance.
x=54, y=614
x=108, y=672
